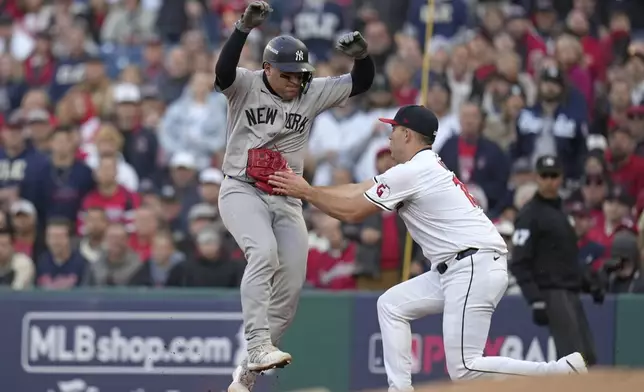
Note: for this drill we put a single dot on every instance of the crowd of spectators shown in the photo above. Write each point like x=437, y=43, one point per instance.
x=112, y=134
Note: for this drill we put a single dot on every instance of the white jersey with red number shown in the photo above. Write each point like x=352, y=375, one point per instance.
x=440, y=214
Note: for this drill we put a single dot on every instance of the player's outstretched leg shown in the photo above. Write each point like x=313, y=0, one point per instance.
x=473, y=287
x=247, y=218
x=292, y=250
x=398, y=306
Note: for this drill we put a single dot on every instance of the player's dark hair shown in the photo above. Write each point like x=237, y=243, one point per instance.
x=429, y=140
x=62, y=129
x=59, y=221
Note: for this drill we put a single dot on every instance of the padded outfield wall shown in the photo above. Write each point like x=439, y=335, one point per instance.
x=189, y=341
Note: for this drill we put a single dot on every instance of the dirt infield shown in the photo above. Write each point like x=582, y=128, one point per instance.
x=613, y=380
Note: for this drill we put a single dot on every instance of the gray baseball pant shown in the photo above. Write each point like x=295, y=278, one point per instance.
x=272, y=233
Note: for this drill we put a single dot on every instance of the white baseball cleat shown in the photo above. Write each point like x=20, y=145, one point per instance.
x=267, y=357
x=243, y=379
x=574, y=364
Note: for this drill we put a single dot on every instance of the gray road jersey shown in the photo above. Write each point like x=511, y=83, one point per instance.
x=259, y=119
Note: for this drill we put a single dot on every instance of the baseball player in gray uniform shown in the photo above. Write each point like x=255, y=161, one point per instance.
x=270, y=112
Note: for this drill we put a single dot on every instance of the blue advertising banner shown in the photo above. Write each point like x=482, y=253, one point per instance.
x=102, y=344
x=512, y=334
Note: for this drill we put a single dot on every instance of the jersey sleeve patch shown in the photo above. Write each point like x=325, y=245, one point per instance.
x=392, y=188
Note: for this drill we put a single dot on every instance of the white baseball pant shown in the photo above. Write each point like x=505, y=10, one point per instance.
x=467, y=294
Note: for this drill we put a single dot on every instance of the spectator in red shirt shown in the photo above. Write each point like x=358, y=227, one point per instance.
x=400, y=75
x=40, y=65
x=119, y=203
x=615, y=45
x=146, y=225
x=616, y=216
x=615, y=111
x=26, y=238
x=577, y=23
x=570, y=58
x=530, y=46
x=625, y=167
x=332, y=269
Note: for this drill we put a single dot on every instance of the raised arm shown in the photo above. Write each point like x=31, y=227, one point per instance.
x=364, y=70
x=226, y=67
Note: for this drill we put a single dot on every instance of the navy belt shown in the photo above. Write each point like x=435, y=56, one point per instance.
x=442, y=267
x=240, y=179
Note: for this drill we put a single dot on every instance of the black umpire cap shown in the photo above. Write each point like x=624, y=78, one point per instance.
x=417, y=118
x=549, y=164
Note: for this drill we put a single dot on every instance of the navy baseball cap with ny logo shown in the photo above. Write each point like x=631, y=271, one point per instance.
x=417, y=118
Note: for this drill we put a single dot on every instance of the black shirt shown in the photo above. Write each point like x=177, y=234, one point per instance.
x=545, y=249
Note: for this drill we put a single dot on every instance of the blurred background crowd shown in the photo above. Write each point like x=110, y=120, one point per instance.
x=112, y=136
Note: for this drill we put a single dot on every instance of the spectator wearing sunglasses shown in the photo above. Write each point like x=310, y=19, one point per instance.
x=545, y=263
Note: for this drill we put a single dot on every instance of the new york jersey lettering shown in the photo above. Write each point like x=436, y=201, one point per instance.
x=296, y=122
x=263, y=115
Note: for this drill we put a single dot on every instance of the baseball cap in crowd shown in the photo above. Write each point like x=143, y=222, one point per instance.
x=184, y=160
x=596, y=142
x=168, y=193
x=505, y=228
x=16, y=120
x=127, y=93
x=549, y=165
x=623, y=247
x=208, y=234
x=150, y=91
x=544, y=6
x=22, y=206
x=146, y=187
x=551, y=74
x=211, y=175
x=417, y=118
x=202, y=211
x=515, y=12
x=620, y=195
x=37, y=116
x=382, y=151
x=517, y=91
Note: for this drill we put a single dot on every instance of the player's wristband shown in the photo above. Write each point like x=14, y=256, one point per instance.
x=240, y=26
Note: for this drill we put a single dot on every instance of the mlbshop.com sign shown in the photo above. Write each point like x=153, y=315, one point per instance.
x=115, y=345
x=512, y=334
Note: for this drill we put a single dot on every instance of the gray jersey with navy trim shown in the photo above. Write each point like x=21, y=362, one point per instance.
x=259, y=119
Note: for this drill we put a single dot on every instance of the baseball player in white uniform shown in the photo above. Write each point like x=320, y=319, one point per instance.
x=270, y=113
x=469, y=267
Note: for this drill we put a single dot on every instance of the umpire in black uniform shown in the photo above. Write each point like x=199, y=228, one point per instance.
x=545, y=264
